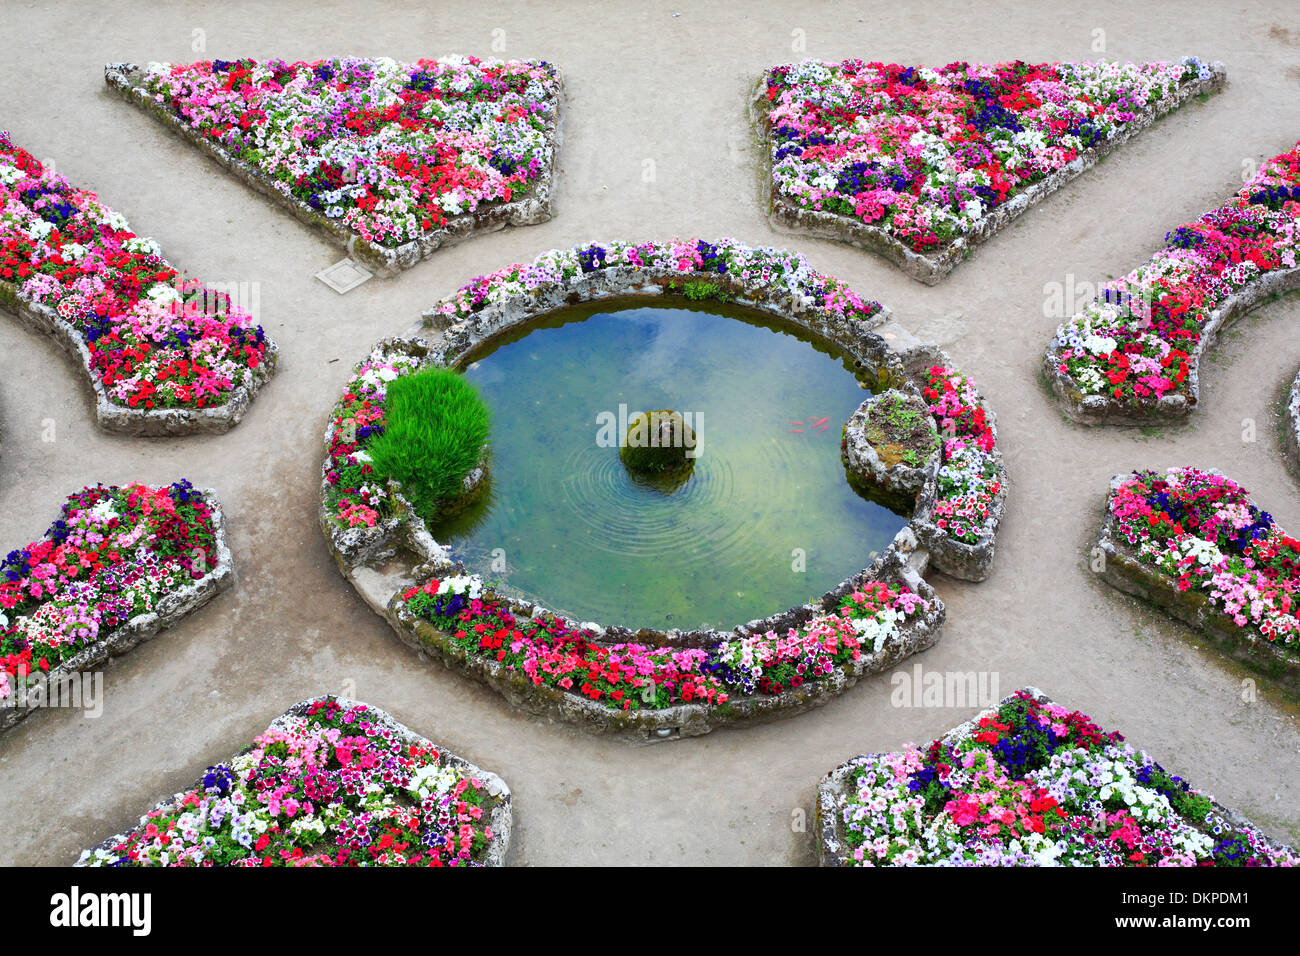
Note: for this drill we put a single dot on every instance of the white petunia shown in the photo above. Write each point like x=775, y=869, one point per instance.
x=162, y=294
x=143, y=246
x=1100, y=344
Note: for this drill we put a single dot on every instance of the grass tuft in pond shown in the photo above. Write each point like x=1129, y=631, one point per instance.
x=435, y=428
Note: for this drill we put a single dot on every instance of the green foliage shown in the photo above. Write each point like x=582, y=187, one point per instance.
x=435, y=426
x=701, y=291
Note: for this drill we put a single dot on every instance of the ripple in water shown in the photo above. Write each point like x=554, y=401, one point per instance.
x=567, y=526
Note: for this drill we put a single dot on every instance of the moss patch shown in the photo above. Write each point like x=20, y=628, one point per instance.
x=901, y=430
x=658, y=442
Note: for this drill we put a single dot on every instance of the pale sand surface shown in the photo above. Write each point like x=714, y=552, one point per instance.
x=642, y=84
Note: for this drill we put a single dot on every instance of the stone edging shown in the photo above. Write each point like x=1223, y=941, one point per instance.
x=1122, y=570
x=898, y=480
x=1291, y=422
x=147, y=422
x=171, y=608
x=124, y=79
x=958, y=559
x=931, y=269
x=500, y=820
x=904, y=560
x=1104, y=409
x=833, y=791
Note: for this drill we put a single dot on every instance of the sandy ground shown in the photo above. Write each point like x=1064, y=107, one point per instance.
x=644, y=85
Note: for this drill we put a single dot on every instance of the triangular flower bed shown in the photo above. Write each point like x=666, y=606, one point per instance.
x=1132, y=356
x=166, y=355
x=390, y=160
x=332, y=782
x=921, y=164
x=116, y=567
x=1028, y=783
x=1192, y=542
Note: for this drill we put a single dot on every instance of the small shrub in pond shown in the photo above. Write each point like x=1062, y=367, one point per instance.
x=435, y=428
x=658, y=442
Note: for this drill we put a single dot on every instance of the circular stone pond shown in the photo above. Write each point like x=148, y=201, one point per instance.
x=764, y=519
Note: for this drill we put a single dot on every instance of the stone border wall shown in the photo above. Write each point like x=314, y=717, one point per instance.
x=125, y=80
x=410, y=554
x=1122, y=570
x=171, y=608
x=898, y=480
x=1291, y=422
x=500, y=817
x=1105, y=409
x=834, y=790
x=958, y=559
x=932, y=268
x=147, y=422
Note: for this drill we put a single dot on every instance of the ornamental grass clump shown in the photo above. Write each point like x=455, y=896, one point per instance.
x=435, y=428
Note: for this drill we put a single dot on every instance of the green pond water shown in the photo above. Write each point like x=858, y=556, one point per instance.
x=765, y=520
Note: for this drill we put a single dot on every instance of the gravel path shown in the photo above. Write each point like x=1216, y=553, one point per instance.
x=646, y=89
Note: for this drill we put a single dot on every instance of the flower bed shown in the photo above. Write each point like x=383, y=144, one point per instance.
x=164, y=353
x=1028, y=783
x=921, y=164
x=1191, y=541
x=550, y=651
x=331, y=782
x=1132, y=355
x=784, y=277
x=390, y=160
x=647, y=682
x=960, y=490
x=117, y=566
x=970, y=497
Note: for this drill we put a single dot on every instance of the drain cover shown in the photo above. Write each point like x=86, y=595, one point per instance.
x=344, y=276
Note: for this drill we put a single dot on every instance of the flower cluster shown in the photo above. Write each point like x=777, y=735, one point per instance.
x=355, y=497
x=787, y=274
x=329, y=787
x=770, y=663
x=552, y=652
x=111, y=556
x=924, y=155
x=1034, y=784
x=970, y=478
x=1202, y=530
x=391, y=150
x=156, y=338
x=1137, y=341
